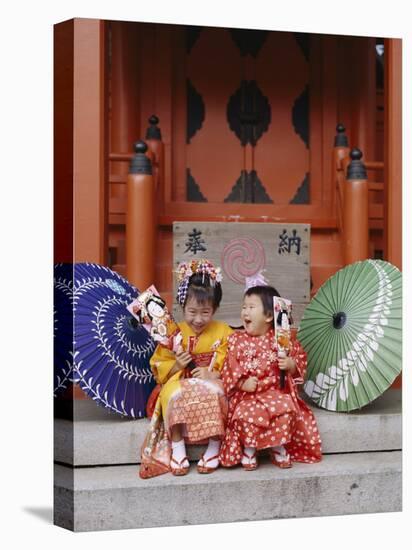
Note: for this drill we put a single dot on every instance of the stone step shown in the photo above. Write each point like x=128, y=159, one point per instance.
x=97, y=437
x=115, y=497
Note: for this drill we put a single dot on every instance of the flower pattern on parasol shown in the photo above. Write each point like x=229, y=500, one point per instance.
x=63, y=327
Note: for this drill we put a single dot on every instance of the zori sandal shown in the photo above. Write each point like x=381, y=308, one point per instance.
x=252, y=464
x=180, y=470
x=280, y=460
x=207, y=469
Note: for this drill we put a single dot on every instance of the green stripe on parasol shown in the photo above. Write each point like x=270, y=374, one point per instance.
x=352, y=334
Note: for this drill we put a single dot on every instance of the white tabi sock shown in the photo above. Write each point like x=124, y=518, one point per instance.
x=179, y=452
x=249, y=451
x=282, y=451
x=212, y=450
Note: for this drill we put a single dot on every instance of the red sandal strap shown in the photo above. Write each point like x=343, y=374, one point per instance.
x=252, y=460
x=249, y=457
x=179, y=463
x=284, y=458
x=206, y=460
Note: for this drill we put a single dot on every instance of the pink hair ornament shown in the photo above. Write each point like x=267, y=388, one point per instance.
x=257, y=279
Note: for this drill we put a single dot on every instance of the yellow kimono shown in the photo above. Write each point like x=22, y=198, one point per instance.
x=199, y=406
x=210, y=345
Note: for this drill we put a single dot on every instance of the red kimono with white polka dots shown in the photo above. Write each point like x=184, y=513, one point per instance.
x=269, y=416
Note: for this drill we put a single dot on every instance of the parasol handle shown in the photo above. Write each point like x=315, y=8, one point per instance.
x=133, y=323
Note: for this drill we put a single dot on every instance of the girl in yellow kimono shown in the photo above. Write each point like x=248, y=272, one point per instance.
x=191, y=407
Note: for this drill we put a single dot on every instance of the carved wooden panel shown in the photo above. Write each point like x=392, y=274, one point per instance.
x=242, y=249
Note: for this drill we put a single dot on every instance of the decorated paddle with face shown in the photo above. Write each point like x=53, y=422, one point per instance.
x=283, y=319
x=150, y=310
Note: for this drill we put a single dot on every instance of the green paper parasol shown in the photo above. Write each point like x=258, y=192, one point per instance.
x=352, y=334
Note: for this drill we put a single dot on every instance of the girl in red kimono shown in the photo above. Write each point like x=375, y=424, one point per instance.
x=261, y=414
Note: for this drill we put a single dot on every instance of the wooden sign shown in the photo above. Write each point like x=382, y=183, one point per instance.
x=241, y=250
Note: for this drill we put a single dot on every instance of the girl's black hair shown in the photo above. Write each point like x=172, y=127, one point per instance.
x=266, y=294
x=203, y=292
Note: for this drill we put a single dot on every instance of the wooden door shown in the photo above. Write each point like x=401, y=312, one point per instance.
x=247, y=116
x=247, y=119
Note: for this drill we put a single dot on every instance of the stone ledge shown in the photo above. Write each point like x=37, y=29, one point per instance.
x=98, y=437
x=115, y=497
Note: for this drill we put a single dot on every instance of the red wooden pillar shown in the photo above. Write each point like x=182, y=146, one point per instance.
x=393, y=156
x=89, y=151
x=355, y=214
x=140, y=220
x=393, y=151
x=63, y=142
x=80, y=189
x=80, y=130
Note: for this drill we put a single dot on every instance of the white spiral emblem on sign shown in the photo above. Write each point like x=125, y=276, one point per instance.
x=243, y=257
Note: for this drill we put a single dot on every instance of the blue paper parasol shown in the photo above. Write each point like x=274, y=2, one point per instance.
x=110, y=351
x=63, y=327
